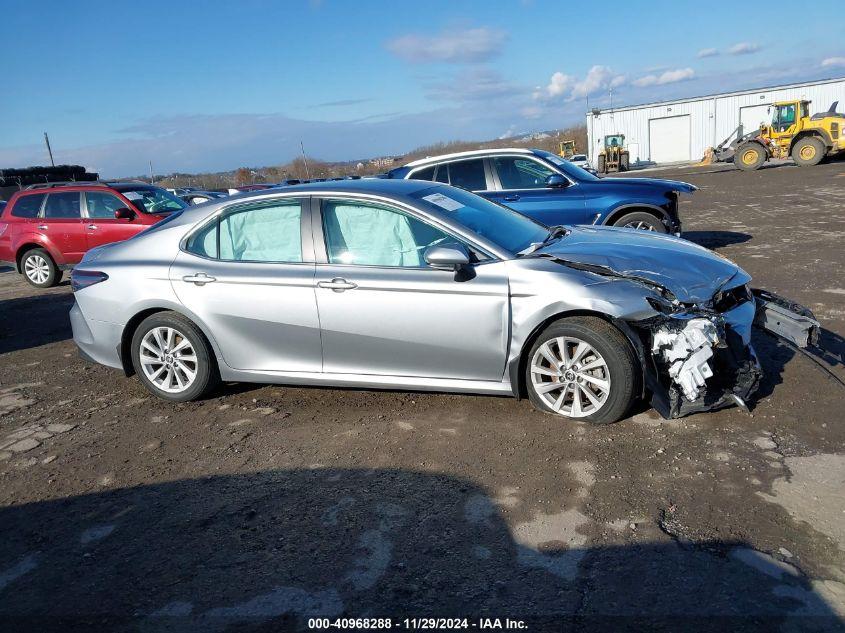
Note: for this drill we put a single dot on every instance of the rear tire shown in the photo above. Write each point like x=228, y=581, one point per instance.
x=750, y=156
x=643, y=221
x=608, y=360
x=602, y=165
x=39, y=269
x=172, y=358
x=624, y=162
x=808, y=151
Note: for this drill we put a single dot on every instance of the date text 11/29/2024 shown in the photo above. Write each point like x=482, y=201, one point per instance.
x=417, y=624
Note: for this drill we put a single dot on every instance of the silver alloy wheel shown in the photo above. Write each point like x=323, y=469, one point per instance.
x=570, y=376
x=36, y=269
x=640, y=226
x=168, y=359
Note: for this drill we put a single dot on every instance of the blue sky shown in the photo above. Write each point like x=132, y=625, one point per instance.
x=197, y=86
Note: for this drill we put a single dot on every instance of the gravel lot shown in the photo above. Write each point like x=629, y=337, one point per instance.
x=263, y=506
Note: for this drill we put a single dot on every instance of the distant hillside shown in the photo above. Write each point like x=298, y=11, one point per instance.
x=316, y=168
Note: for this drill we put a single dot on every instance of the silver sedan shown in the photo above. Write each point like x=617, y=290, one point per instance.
x=405, y=285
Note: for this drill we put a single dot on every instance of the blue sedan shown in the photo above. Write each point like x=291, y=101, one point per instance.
x=553, y=191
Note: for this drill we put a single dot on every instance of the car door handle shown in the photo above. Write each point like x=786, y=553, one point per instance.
x=93, y=227
x=511, y=198
x=43, y=227
x=337, y=284
x=199, y=279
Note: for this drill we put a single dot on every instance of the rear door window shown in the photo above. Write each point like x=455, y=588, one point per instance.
x=28, y=206
x=266, y=233
x=468, y=174
x=64, y=205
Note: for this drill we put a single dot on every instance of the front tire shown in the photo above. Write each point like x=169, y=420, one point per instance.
x=172, y=358
x=39, y=269
x=642, y=221
x=582, y=368
x=750, y=156
x=808, y=151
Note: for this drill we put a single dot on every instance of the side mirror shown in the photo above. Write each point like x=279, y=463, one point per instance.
x=451, y=256
x=556, y=181
x=124, y=214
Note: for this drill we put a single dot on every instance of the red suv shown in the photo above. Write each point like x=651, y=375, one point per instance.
x=47, y=228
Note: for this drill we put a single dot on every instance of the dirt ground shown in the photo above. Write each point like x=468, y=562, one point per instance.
x=265, y=505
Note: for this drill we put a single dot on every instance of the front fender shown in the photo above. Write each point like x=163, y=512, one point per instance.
x=537, y=299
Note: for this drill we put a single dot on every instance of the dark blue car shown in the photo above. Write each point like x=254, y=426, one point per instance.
x=553, y=191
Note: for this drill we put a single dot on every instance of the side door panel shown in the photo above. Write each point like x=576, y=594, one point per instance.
x=263, y=315
x=104, y=229
x=412, y=321
x=545, y=204
x=61, y=222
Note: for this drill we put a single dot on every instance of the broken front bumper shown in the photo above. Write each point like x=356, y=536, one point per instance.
x=703, y=360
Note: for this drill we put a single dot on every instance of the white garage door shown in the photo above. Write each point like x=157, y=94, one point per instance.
x=752, y=116
x=669, y=139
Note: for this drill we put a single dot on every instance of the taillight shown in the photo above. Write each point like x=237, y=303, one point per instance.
x=3, y=227
x=80, y=279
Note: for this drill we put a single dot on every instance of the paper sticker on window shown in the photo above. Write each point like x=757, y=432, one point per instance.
x=444, y=202
x=132, y=195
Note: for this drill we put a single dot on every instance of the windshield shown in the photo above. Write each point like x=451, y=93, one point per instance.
x=566, y=166
x=153, y=200
x=505, y=228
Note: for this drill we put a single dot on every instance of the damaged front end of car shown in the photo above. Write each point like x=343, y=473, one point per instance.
x=700, y=357
x=694, y=343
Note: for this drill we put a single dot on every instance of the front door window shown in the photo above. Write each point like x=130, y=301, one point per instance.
x=521, y=173
x=370, y=235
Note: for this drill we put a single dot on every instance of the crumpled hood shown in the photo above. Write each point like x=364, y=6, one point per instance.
x=691, y=272
x=670, y=185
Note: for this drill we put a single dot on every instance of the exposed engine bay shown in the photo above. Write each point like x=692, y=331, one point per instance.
x=701, y=359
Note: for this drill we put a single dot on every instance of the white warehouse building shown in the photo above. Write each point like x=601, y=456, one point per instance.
x=681, y=130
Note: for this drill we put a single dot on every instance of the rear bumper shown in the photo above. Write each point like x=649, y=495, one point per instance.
x=97, y=341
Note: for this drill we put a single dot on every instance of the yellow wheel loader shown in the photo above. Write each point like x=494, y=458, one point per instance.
x=792, y=132
x=614, y=156
x=567, y=149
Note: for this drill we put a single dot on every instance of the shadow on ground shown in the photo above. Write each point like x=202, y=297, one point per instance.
x=716, y=239
x=35, y=320
x=266, y=551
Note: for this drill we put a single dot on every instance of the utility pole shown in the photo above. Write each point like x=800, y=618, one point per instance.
x=151, y=172
x=49, y=151
x=304, y=160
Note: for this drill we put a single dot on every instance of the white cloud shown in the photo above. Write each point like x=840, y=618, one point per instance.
x=833, y=62
x=744, y=48
x=598, y=79
x=559, y=85
x=668, y=77
x=708, y=52
x=455, y=46
x=569, y=88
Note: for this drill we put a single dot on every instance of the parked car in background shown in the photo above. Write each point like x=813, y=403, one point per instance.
x=407, y=284
x=579, y=160
x=198, y=197
x=47, y=228
x=554, y=191
x=245, y=188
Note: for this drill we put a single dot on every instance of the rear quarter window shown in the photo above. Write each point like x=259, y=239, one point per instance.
x=28, y=206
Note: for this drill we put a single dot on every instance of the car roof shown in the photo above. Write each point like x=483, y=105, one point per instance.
x=382, y=186
x=469, y=154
